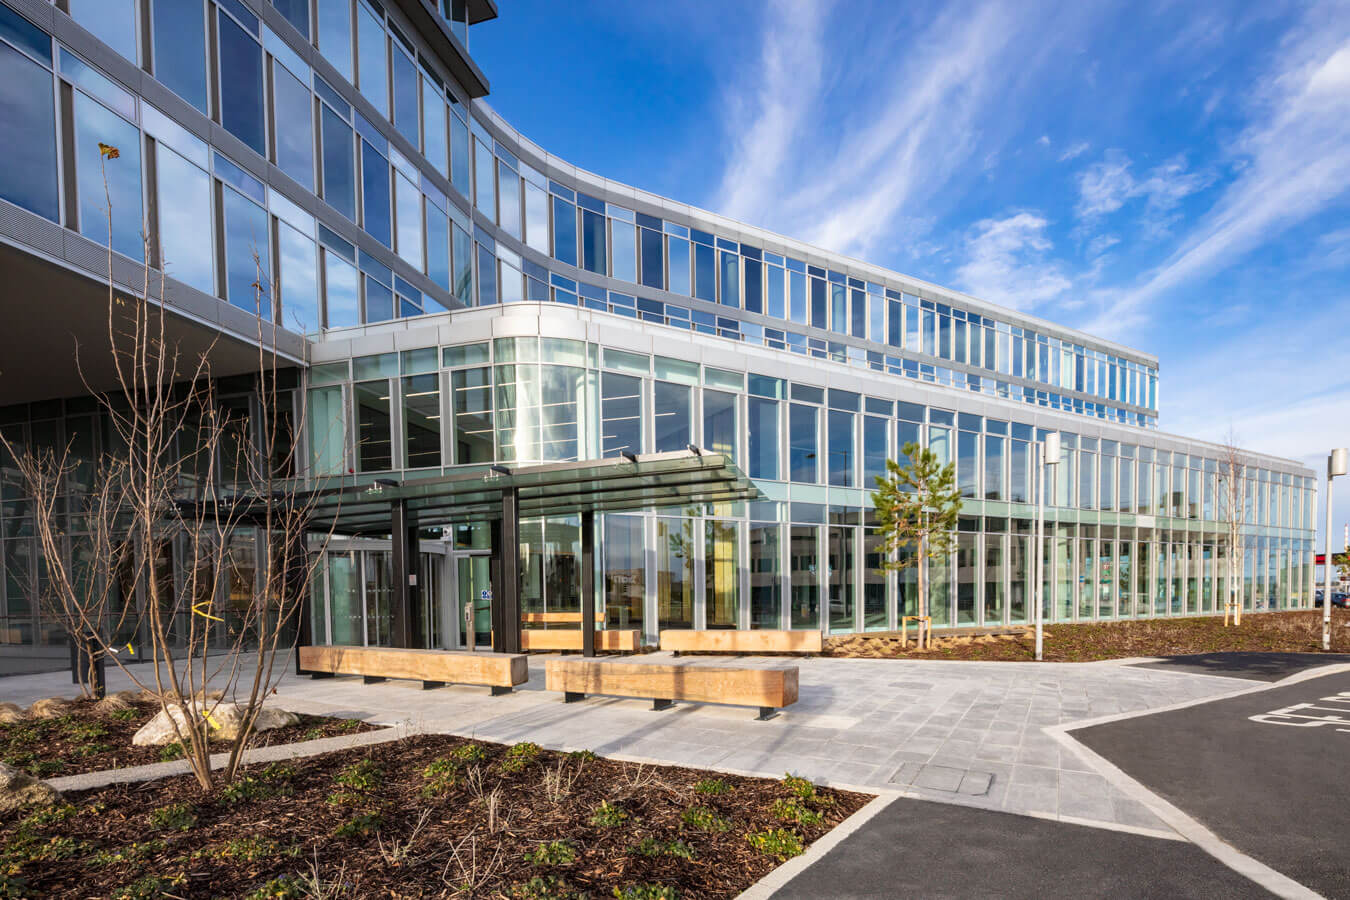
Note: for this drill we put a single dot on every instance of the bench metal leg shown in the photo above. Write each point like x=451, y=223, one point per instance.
x=766, y=713
x=573, y=696
x=499, y=689
x=371, y=679
x=319, y=674
x=675, y=654
x=431, y=685
x=658, y=705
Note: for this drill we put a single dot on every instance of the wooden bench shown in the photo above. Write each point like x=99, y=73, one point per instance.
x=732, y=640
x=770, y=689
x=622, y=641
x=551, y=618
x=434, y=668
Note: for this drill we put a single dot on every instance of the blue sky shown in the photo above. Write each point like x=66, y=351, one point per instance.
x=1173, y=176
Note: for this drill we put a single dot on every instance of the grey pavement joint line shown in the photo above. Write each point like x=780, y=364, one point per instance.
x=1271, y=879
x=779, y=877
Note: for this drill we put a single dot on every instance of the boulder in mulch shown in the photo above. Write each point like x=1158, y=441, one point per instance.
x=19, y=789
x=225, y=720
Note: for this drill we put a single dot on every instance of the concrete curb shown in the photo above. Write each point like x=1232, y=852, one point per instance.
x=789, y=870
x=154, y=771
x=1269, y=878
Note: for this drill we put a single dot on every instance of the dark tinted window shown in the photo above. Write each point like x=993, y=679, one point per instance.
x=241, y=85
x=28, y=177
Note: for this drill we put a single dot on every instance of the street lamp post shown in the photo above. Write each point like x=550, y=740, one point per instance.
x=1048, y=456
x=1336, y=465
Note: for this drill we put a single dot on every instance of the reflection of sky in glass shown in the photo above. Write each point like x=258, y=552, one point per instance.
x=409, y=200
x=295, y=144
x=245, y=234
x=95, y=125
x=185, y=221
x=344, y=308
x=111, y=21
x=299, y=281
x=28, y=177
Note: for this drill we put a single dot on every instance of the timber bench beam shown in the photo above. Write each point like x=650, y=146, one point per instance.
x=434, y=668
x=732, y=640
x=770, y=689
x=611, y=639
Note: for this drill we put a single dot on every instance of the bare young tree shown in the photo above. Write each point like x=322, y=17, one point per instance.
x=1233, y=513
x=201, y=483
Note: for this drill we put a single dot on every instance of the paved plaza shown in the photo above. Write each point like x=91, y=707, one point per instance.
x=958, y=732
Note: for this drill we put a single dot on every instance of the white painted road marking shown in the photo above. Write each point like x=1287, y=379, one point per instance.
x=1295, y=717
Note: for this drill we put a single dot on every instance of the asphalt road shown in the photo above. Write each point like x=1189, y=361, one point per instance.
x=1252, y=666
x=1275, y=788
x=915, y=848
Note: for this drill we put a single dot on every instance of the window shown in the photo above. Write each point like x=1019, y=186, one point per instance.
x=967, y=463
x=485, y=190
x=797, y=297
x=180, y=49
x=186, y=248
x=459, y=154
x=327, y=431
x=248, y=261
x=407, y=104
x=375, y=195
x=409, y=217
x=754, y=286
x=293, y=126
x=434, y=146
x=719, y=422
x=94, y=124
x=874, y=450
x=820, y=315
x=508, y=183
x=299, y=279
x=463, y=263
x=379, y=299
x=473, y=415
x=28, y=178
x=241, y=84
x=536, y=219
x=564, y=231
x=296, y=12
x=487, y=276
x=339, y=163
x=763, y=438
x=841, y=448
x=625, y=570
x=993, y=468
x=674, y=572
x=766, y=584
x=335, y=35
x=593, y=242
x=374, y=444
x=422, y=421
x=802, y=443
x=721, y=565
x=705, y=273
x=842, y=565
x=620, y=414
x=672, y=416
x=731, y=279
x=858, y=308
x=653, y=263
x=438, y=246
x=342, y=296
x=624, y=236
x=804, y=553
x=111, y=21
x=678, y=249
x=372, y=58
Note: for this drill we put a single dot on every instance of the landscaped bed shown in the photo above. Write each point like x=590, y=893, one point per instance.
x=1285, y=632
x=425, y=816
x=87, y=738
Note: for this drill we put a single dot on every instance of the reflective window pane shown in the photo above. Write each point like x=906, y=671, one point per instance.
x=407, y=103
x=678, y=278
x=374, y=443
x=438, y=246
x=409, y=213
x=186, y=247
x=459, y=154
x=841, y=448
x=293, y=119
x=372, y=58
x=180, y=49
x=564, y=231
x=624, y=235
x=766, y=583
x=722, y=576
x=296, y=12
x=675, y=573
x=241, y=84
x=111, y=21
x=803, y=460
x=763, y=438
x=335, y=35
x=434, y=145
x=375, y=195
x=804, y=554
x=463, y=261
x=422, y=421
x=620, y=414
x=536, y=219
x=339, y=164
x=484, y=184
x=94, y=125
x=28, y=177
x=473, y=415
x=653, y=263
x=341, y=293
x=248, y=263
x=299, y=277
x=719, y=423
x=672, y=416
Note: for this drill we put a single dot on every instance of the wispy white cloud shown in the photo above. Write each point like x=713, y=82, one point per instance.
x=1106, y=186
x=1073, y=151
x=828, y=151
x=1007, y=262
x=1295, y=165
x=1043, y=140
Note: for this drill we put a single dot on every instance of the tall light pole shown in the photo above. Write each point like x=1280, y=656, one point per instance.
x=1336, y=465
x=1048, y=457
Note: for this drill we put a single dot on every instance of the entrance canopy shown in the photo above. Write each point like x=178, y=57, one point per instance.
x=616, y=484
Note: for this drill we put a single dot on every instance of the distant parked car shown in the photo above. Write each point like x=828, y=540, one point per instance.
x=1339, y=599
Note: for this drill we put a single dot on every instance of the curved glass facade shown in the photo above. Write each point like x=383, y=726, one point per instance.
x=383, y=199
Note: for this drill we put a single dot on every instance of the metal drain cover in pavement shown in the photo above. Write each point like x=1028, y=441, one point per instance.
x=944, y=778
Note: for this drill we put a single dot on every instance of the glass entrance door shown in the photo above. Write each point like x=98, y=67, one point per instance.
x=473, y=600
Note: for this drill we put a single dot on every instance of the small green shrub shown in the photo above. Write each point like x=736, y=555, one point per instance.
x=584, y=756
x=92, y=749
x=650, y=846
x=360, y=776
x=85, y=731
x=795, y=811
x=704, y=819
x=519, y=756
x=469, y=754
x=713, y=787
x=49, y=815
x=130, y=853
x=48, y=767
x=777, y=842
x=144, y=888
x=608, y=815
x=271, y=781
x=360, y=826
x=11, y=886
x=171, y=751
x=553, y=853
x=249, y=849
x=646, y=892
x=123, y=715
x=805, y=791
x=312, y=734
x=441, y=775
x=543, y=887
x=176, y=817
x=287, y=887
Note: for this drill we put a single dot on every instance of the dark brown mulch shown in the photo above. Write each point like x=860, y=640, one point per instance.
x=378, y=822
x=90, y=740
x=1286, y=632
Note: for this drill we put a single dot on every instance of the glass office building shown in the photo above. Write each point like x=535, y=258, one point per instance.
x=452, y=296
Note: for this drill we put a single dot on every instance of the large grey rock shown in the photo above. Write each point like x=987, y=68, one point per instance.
x=224, y=720
x=19, y=789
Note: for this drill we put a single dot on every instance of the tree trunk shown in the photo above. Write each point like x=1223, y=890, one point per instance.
x=923, y=589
